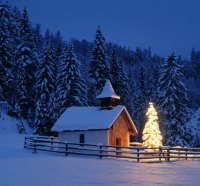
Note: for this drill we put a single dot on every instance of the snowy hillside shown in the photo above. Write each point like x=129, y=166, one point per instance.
x=194, y=124
x=195, y=121
x=20, y=167
x=8, y=125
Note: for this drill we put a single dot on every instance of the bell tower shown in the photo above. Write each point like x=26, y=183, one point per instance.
x=108, y=98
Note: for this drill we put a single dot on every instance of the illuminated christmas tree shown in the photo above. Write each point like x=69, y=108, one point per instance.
x=151, y=133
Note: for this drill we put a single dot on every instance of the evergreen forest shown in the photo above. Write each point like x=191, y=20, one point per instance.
x=41, y=75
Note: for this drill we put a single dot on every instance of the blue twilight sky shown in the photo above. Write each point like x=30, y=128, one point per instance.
x=163, y=25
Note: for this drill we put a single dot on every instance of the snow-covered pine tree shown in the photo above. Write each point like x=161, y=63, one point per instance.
x=38, y=39
x=26, y=30
x=17, y=74
x=141, y=103
x=25, y=67
x=119, y=79
x=138, y=55
x=58, y=45
x=132, y=87
x=173, y=104
x=195, y=62
x=151, y=133
x=98, y=69
x=1, y=101
x=15, y=26
x=70, y=85
x=150, y=86
x=44, y=88
x=82, y=51
x=77, y=93
x=6, y=40
x=62, y=83
x=21, y=95
x=6, y=51
x=114, y=68
x=155, y=77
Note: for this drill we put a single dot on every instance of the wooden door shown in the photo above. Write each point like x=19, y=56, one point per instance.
x=118, y=143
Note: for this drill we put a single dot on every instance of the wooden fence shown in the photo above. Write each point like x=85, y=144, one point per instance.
x=134, y=153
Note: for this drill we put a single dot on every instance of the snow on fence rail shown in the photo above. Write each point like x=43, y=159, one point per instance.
x=135, y=153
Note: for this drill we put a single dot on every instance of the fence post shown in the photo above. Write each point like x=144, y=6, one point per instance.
x=35, y=145
x=179, y=154
x=160, y=150
x=186, y=152
x=100, y=152
x=25, y=142
x=138, y=150
x=66, y=149
x=168, y=154
x=51, y=142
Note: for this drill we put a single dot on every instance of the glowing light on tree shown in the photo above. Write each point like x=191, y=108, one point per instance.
x=151, y=133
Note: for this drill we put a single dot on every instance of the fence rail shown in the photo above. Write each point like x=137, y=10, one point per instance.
x=135, y=153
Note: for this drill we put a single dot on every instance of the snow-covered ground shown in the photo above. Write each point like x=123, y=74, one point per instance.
x=8, y=125
x=20, y=167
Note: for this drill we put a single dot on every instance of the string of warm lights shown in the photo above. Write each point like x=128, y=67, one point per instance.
x=151, y=134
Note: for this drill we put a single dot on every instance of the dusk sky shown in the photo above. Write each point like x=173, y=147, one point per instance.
x=163, y=25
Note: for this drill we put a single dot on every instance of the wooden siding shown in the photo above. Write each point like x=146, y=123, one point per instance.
x=121, y=129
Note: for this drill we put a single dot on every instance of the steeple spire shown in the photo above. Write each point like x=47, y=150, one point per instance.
x=108, y=97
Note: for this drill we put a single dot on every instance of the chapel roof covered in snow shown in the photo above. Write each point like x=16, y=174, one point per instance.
x=108, y=91
x=89, y=118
